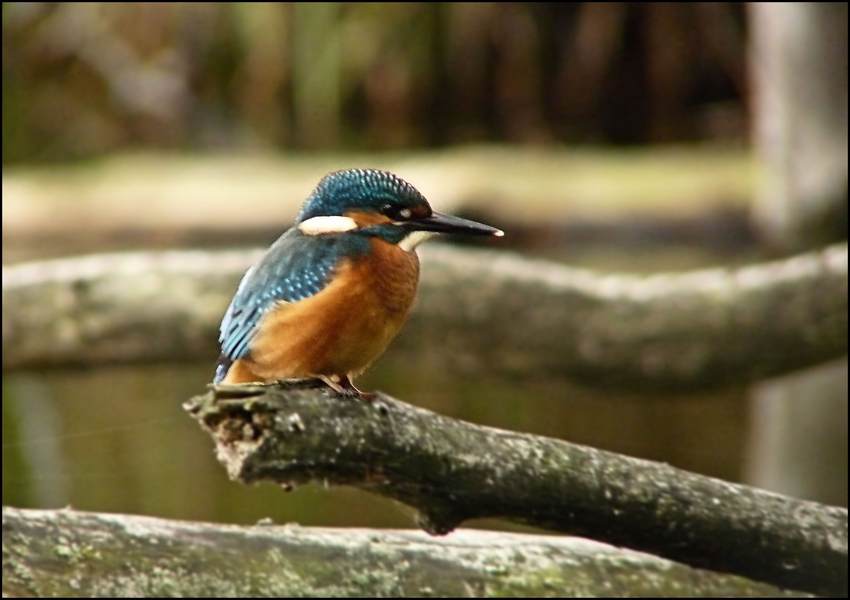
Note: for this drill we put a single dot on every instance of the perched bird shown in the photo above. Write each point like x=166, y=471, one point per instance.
x=333, y=291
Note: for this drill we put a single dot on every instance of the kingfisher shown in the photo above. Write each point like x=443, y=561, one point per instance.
x=333, y=291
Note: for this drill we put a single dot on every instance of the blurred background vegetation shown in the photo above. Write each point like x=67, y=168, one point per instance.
x=87, y=79
x=521, y=97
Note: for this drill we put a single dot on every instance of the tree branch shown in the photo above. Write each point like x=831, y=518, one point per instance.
x=489, y=313
x=67, y=553
x=451, y=471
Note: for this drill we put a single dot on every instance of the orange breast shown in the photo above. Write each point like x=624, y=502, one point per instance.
x=343, y=328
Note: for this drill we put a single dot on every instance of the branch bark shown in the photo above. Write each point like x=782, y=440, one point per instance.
x=488, y=314
x=451, y=471
x=67, y=553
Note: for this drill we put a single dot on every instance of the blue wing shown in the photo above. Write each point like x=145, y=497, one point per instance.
x=296, y=267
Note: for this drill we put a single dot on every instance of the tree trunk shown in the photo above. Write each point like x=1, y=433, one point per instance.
x=799, y=66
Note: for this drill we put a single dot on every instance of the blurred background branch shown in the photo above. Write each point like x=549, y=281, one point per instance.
x=485, y=314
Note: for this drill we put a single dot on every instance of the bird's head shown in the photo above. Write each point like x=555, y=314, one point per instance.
x=380, y=204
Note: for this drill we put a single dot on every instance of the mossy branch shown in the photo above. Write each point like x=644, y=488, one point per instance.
x=451, y=471
x=66, y=553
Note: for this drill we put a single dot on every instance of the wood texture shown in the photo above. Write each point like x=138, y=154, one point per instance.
x=451, y=471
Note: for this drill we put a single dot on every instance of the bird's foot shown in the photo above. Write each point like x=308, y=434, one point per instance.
x=342, y=385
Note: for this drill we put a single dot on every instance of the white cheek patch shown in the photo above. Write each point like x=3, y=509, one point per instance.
x=414, y=238
x=320, y=225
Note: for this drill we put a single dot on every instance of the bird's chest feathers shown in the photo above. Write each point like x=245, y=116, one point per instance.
x=384, y=280
x=347, y=325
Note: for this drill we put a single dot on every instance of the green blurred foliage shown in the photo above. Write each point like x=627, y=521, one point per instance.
x=85, y=79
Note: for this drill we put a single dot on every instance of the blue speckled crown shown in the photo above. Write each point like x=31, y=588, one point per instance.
x=363, y=189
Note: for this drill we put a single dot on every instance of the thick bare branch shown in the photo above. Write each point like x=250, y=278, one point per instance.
x=487, y=313
x=67, y=553
x=499, y=314
x=451, y=471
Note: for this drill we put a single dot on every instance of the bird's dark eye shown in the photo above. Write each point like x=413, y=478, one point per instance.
x=396, y=212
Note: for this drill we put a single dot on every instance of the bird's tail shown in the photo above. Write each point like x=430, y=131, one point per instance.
x=222, y=366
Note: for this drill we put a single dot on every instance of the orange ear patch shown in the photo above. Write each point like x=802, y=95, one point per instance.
x=364, y=219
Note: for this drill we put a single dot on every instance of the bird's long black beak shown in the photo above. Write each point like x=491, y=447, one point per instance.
x=442, y=223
